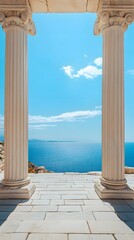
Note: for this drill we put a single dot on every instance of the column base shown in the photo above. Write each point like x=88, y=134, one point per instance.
x=16, y=192
x=105, y=193
x=17, y=183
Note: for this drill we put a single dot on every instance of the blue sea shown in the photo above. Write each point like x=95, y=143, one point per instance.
x=72, y=156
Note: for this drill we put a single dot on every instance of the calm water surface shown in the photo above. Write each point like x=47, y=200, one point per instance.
x=72, y=156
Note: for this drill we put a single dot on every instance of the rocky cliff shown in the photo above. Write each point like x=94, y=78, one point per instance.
x=1, y=156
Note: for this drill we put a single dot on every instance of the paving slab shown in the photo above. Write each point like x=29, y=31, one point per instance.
x=69, y=209
x=94, y=202
x=74, y=202
x=47, y=208
x=73, y=196
x=40, y=202
x=13, y=236
x=9, y=226
x=27, y=216
x=78, y=185
x=91, y=237
x=38, y=236
x=97, y=208
x=69, y=216
x=35, y=196
x=63, y=192
x=109, y=216
x=23, y=209
x=55, y=188
x=25, y=202
x=51, y=196
x=57, y=202
x=124, y=236
x=53, y=227
x=93, y=196
x=109, y=227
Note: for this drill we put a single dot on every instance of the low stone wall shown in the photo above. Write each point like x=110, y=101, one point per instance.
x=129, y=170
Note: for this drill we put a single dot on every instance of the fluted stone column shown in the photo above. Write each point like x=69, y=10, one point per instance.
x=113, y=183
x=16, y=109
x=16, y=106
x=113, y=109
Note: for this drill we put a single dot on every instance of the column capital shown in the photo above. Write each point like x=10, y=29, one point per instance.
x=108, y=19
x=22, y=18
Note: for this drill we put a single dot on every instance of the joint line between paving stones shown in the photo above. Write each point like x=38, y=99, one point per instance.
x=94, y=215
x=27, y=236
x=114, y=237
x=67, y=236
x=81, y=208
x=45, y=216
x=88, y=226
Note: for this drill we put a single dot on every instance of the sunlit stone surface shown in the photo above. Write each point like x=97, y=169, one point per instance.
x=40, y=218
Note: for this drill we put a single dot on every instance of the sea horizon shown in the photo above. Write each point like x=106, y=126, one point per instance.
x=56, y=140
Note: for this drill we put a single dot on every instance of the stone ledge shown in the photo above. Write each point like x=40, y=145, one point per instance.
x=105, y=193
x=129, y=170
x=17, y=193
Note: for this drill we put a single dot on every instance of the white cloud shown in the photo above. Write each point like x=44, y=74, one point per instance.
x=98, y=61
x=40, y=126
x=41, y=122
x=88, y=72
x=65, y=117
x=68, y=71
x=131, y=71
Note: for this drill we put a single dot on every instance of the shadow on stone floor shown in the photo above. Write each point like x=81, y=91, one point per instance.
x=7, y=207
x=124, y=210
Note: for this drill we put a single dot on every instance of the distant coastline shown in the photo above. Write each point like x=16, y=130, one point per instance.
x=41, y=140
x=53, y=140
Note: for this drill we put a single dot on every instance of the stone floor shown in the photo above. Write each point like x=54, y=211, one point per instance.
x=66, y=207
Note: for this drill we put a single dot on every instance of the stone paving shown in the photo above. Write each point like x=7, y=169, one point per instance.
x=66, y=207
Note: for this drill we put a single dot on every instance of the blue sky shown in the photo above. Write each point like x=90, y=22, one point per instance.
x=65, y=79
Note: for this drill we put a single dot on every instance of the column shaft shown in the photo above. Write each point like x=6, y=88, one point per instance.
x=16, y=109
x=113, y=109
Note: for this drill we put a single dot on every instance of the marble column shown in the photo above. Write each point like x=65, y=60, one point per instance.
x=113, y=109
x=113, y=183
x=16, y=109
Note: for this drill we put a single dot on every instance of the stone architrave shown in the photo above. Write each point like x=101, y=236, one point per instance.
x=113, y=184
x=16, y=183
